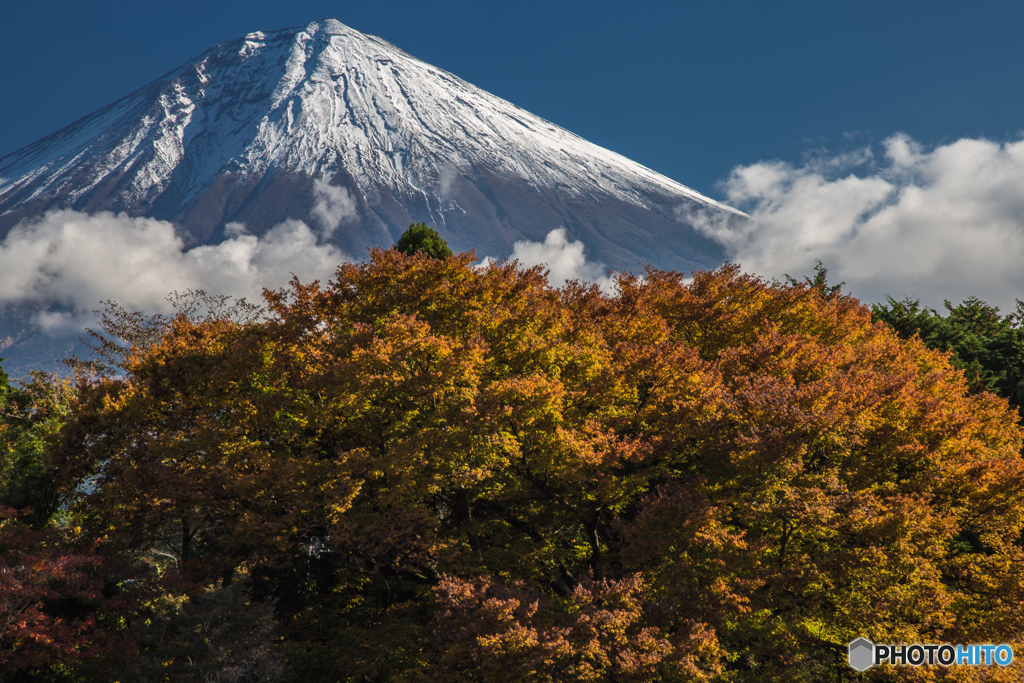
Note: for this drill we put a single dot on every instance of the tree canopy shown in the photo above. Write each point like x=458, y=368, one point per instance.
x=420, y=238
x=29, y=413
x=987, y=346
x=435, y=472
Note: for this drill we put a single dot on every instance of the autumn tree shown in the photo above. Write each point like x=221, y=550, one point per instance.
x=449, y=473
x=54, y=602
x=56, y=620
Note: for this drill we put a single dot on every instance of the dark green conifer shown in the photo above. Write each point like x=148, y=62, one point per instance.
x=419, y=237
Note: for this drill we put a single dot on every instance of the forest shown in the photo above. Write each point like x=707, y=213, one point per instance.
x=424, y=470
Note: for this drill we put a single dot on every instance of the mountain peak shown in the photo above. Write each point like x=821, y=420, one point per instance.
x=255, y=129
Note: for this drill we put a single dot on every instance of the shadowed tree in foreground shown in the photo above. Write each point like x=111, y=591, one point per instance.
x=446, y=473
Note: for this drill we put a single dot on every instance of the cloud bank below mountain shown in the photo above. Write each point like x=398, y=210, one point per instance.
x=933, y=224
x=79, y=260
x=563, y=259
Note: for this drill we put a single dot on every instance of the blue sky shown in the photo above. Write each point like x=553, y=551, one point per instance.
x=883, y=138
x=689, y=89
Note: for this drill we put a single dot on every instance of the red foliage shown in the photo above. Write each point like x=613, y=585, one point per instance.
x=47, y=597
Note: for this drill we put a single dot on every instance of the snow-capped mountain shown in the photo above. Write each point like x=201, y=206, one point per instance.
x=347, y=132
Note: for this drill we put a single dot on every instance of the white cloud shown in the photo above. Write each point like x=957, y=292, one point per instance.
x=446, y=181
x=333, y=205
x=945, y=223
x=81, y=260
x=235, y=229
x=563, y=259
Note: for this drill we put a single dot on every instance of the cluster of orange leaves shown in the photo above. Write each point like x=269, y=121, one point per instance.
x=496, y=480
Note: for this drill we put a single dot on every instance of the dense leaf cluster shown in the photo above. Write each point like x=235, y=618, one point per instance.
x=28, y=414
x=421, y=238
x=435, y=472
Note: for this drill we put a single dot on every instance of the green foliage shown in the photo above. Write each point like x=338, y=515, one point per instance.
x=987, y=346
x=29, y=414
x=420, y=238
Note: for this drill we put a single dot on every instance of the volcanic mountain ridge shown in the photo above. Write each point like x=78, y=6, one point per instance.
x=349, y=133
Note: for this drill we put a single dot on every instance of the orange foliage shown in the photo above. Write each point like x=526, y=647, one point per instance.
x=481, y=477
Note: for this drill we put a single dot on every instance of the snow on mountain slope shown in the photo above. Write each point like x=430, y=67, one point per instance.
x=253, y=129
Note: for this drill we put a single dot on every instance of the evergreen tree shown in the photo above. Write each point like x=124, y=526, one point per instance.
x=424, y=239
x=987, y=346
x=819, y=282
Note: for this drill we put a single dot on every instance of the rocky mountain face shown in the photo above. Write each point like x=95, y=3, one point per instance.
x=350, y=134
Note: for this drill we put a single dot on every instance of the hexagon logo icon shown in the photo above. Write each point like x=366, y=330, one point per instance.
x=861, y=654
